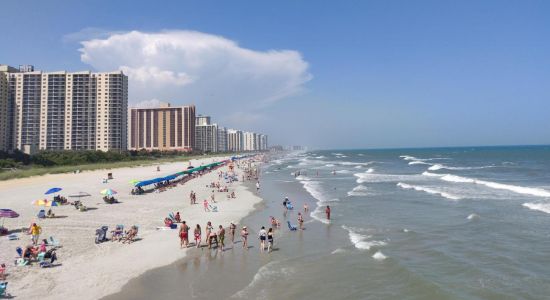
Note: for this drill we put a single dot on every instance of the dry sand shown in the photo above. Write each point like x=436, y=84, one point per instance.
x=90, y=271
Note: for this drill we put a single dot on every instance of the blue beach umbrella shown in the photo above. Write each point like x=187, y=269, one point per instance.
x=53, y=190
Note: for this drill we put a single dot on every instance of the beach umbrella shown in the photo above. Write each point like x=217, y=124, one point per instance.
x=79, y=195
x=134, y=181
x=7, y=213
x=53, y=190
x=44, y=202
x=108, y=192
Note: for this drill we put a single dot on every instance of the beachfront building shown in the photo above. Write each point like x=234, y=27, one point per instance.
x=3, y=110
x=206, y=138
x=249, y=141
x=162, y=128
x=235, y=140
x=263, y=142
x=222, y=139
x=67, y=111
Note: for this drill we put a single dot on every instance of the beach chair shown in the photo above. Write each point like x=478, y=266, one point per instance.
x=41, y=214
x=118, y=233
x=101, y=234
x=172, y=217
x=3, y=288
x=51, y=241
x=291, y=227
x=213, y=208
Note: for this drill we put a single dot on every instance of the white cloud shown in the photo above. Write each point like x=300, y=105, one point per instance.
x=213, y=72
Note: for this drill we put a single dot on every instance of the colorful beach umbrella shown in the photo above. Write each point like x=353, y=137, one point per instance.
x=108, y=192
x=44, y=202
x=53, y=190
x=8, y=213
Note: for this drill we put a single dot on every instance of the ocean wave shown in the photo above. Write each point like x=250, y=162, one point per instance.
x=339, y=250
x=544, y=207
x=330, y=165
x=315, y=189
x=302, y=178
x=499, y=186
x=351, y=163
x=268, y=273
x=358, y=191
x=361, y=241
x=473, y=217
x=416, y=162
x=428, y=190
x=440, y=166
x=320, y=157
x=426, y=173
x=379, y=256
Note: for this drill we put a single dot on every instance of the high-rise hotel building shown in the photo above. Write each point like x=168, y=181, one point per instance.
x=163, y=128
x=66, y=111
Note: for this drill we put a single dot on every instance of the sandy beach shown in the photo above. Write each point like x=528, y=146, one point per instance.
x=90, y=271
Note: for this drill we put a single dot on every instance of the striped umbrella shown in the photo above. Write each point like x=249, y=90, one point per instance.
x=108, y=192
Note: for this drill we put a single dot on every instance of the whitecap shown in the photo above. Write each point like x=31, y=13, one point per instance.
x=473, y=217
x=329, y=165
x=343, y=171
x=416, y=162
x=544, y=207
x=358, y=167
x=428, y=190
x=359, y=190
x=379, y=256
x=500, y=186
x=361, y=241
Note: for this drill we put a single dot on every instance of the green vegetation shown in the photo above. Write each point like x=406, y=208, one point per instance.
x=19, y=164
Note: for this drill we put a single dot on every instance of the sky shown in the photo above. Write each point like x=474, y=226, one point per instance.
x=326, y=74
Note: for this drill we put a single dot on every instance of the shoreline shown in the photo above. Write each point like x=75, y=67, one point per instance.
x=104, y=269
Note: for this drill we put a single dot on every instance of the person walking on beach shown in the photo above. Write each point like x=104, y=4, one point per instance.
x=197, y=234
x=221, y=237
x=191, y=197
x=35, y=232
x=184, y=235
x=327, y=212
x=244, y=237
x=301, y=221
x=262, y=235
x=232, y=229
x=270, y=234
x=212, y=197
x=306, y=208
x=209, y=229
x=205, y=203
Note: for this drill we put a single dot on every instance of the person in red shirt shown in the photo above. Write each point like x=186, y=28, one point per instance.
x=327, y=212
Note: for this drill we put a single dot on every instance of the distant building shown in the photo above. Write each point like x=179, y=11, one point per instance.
x=3, y=111
x=163, y=128
x=235, y=140
x=202, y=120
x=66, y=111
x=250, y=143
x=263, y=142
x=222, y=139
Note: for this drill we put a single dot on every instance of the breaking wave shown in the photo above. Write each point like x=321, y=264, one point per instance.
x=428, y=190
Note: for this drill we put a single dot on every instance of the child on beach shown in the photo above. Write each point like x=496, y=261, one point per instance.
x=197, y=234
x=205, y=203
x=232, y=228
x=270, y=234
x=244, y=236
x=262, y=235
x=221, y=237
x=301, y=221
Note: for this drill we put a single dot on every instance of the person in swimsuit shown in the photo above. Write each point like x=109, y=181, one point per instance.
x=301, y=221
x=306, y=208
x=221, y=237
x=270, y=234
x=205, y=203
x=244, y=236
x=184, y=235
x=262, y=235
x=209, y=229
x=232, y=229
x=327, y=212
x=197, y=234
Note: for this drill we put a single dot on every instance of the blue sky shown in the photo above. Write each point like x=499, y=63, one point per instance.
x=370, y=73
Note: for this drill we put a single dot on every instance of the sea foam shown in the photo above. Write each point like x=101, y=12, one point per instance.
x=361, y=241
x=379, y=256
x=544, y=207
x=358, y=191
x=499, y=186
x=428, y=190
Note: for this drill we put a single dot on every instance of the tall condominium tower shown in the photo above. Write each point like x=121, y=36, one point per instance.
x=3, y=110
x=67, y=111
x=235, y=140
x=163, y=128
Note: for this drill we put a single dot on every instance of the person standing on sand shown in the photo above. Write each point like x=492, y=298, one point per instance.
x=262, y=235
x=197, y=234
x=184, y=235
x=301, y=221
x=270, y=234
x=257, y=186
x=306, y=208
x=221, y=237
x=327, y=212
x=232, y=229
x=205, y=203
x=209, y=229
x=212, y=197
x=191, y=197
x=35, y=232
x=244, y=236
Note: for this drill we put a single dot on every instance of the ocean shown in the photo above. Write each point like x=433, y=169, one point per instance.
x=441, y=223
